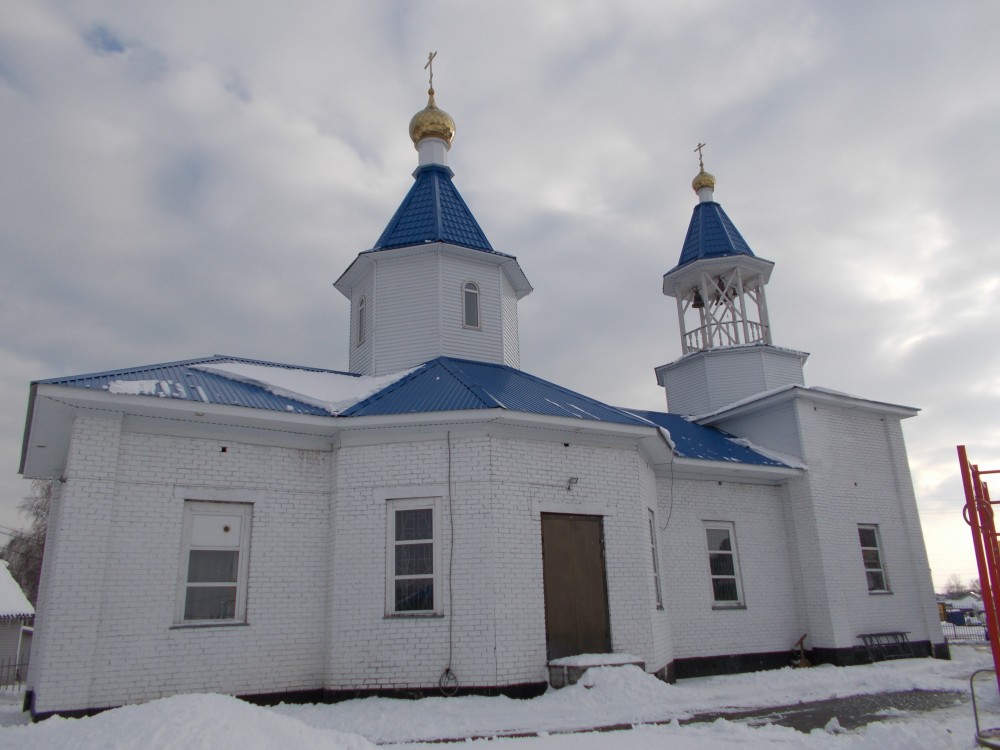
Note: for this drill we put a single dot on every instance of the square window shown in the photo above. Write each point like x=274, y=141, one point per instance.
x=723, y=564
x=412, y=564
x=871, y=557
x=212, y=585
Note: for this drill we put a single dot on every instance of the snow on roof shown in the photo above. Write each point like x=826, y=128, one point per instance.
x=324, y=389
x=13, y=602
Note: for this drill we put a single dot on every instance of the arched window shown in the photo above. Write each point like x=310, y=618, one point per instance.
x=362, y=320
x=470, y=305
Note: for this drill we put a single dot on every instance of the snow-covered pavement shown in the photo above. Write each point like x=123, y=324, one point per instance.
x=604, y=697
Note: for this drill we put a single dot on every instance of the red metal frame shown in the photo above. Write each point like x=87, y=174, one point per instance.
x=978, y=514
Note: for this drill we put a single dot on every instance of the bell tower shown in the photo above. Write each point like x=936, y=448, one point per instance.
x=726, y=345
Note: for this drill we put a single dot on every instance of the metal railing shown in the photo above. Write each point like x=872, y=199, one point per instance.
x=13, y=673
x=724, y=333
x=964, y=632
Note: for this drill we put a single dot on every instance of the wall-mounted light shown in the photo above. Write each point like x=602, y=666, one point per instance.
x=571, y=482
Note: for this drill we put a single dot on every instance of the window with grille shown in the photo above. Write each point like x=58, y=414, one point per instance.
x=412, y=558
x=871, y=556
x=723, y=564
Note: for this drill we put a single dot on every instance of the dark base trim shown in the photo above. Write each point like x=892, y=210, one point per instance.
x=855, y=655
x=680, y=669
x=77, y=713
x=667, y=673
x=521, y=691
x=705, y=666
x=319, y=695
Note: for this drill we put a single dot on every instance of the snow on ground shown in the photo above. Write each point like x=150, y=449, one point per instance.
x=605, y=696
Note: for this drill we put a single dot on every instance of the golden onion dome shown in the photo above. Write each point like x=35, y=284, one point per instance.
x=432, y=122
x=703, y=180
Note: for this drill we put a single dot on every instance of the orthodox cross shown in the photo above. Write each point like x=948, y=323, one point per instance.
x=700, y=146
x=430, y=66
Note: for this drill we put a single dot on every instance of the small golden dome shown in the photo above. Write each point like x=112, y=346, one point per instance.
x=432, y=122
x=702, y=180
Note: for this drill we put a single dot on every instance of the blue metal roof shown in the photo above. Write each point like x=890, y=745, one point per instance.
x=447, y=384
x=183, y=380
x=440, y=385
x=707, y=443
x=711, y=234
x=433, y=211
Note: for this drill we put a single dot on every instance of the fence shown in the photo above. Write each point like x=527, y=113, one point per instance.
x=954, y=632
x=13, y=673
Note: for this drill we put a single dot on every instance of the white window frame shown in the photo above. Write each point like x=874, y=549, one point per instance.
x=471, y=287
x=739, y=602
x=202, y=508
x=362, y=319
x=879, y=568
x=654, y=549
x=394, y=504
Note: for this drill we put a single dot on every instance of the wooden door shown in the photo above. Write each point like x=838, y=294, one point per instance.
x=576, y=592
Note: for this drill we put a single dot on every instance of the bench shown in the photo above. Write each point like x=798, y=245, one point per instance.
x=893, y=644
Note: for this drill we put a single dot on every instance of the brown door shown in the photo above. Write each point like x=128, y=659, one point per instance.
x=576, y=593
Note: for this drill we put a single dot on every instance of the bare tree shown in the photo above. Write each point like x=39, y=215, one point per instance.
x=23, y=552
x=954, y=588
x=975, y=589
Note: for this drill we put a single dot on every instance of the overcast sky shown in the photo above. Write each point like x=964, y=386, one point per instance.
x=183, y=179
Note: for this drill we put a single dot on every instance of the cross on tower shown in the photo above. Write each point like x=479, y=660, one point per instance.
x=430, y=66
x=698, y=148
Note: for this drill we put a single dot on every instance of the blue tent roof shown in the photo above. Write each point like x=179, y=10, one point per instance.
x=183, y=380
x=447, y=384
x=433, y=211
x=711, y=234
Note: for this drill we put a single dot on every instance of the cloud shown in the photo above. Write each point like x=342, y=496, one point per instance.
x=185, y=178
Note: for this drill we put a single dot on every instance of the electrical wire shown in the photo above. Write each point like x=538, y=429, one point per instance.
x=448, y=682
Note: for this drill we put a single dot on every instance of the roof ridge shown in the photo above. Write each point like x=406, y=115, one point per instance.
x=195, y=362
x=387, y=390
x=450, y=364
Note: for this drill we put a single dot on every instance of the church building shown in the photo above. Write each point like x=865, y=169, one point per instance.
x=438, y=518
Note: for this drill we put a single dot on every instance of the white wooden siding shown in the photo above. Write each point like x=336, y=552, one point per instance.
x=508, y=315
x=714, y=379
x=406, y=313
x=774, y=428
x=483, y=344
x=361, y=356
x=685, y=386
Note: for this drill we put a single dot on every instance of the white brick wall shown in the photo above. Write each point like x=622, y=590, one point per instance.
x=500, y=487
x=317, y=577
x=105, y=632
x=858, y=475
x=770, y=620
